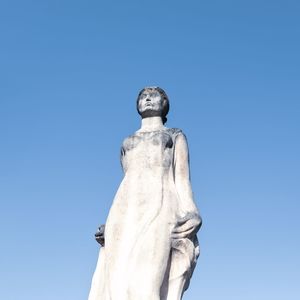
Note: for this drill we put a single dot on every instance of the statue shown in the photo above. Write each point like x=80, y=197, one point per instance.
x=149, y=243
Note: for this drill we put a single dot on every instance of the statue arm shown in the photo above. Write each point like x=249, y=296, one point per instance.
x=100, y=234
x=189, y=220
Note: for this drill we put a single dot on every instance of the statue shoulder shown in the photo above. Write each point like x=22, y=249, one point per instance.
x=130, y=142
x=174, y=132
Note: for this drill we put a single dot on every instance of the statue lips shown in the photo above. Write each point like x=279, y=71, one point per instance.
x=148, y=106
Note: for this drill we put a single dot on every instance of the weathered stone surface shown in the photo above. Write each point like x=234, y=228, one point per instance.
x=151, y=246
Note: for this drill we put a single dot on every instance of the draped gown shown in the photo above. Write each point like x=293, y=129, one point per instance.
x=151, y=246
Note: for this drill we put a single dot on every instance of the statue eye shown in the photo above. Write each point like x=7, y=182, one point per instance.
x=154, y=94
x=143, y=96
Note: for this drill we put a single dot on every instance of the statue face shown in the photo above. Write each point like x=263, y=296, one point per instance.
x=150, y=104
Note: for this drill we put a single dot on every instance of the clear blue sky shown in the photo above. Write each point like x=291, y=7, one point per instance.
x=70, y=72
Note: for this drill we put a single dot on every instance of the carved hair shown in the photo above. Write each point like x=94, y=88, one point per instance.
x=163, y=95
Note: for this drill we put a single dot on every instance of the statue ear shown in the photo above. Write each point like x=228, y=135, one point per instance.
x=137, y=105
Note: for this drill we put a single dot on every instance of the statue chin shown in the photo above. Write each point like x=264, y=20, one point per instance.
x=150, y=113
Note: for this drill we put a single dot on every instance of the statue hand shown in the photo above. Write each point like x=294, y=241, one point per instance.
x=99, y=235
x=187, y=226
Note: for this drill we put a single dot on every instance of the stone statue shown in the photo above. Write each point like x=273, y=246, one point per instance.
x=149, y=243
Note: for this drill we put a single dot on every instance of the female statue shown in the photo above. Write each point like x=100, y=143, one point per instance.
x=149, y=243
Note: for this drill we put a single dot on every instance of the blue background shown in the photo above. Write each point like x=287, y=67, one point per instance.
x=70, y=72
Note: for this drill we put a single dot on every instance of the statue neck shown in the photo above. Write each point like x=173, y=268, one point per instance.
x=152, y=124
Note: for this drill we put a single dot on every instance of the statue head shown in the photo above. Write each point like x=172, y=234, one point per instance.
x=153, y=102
